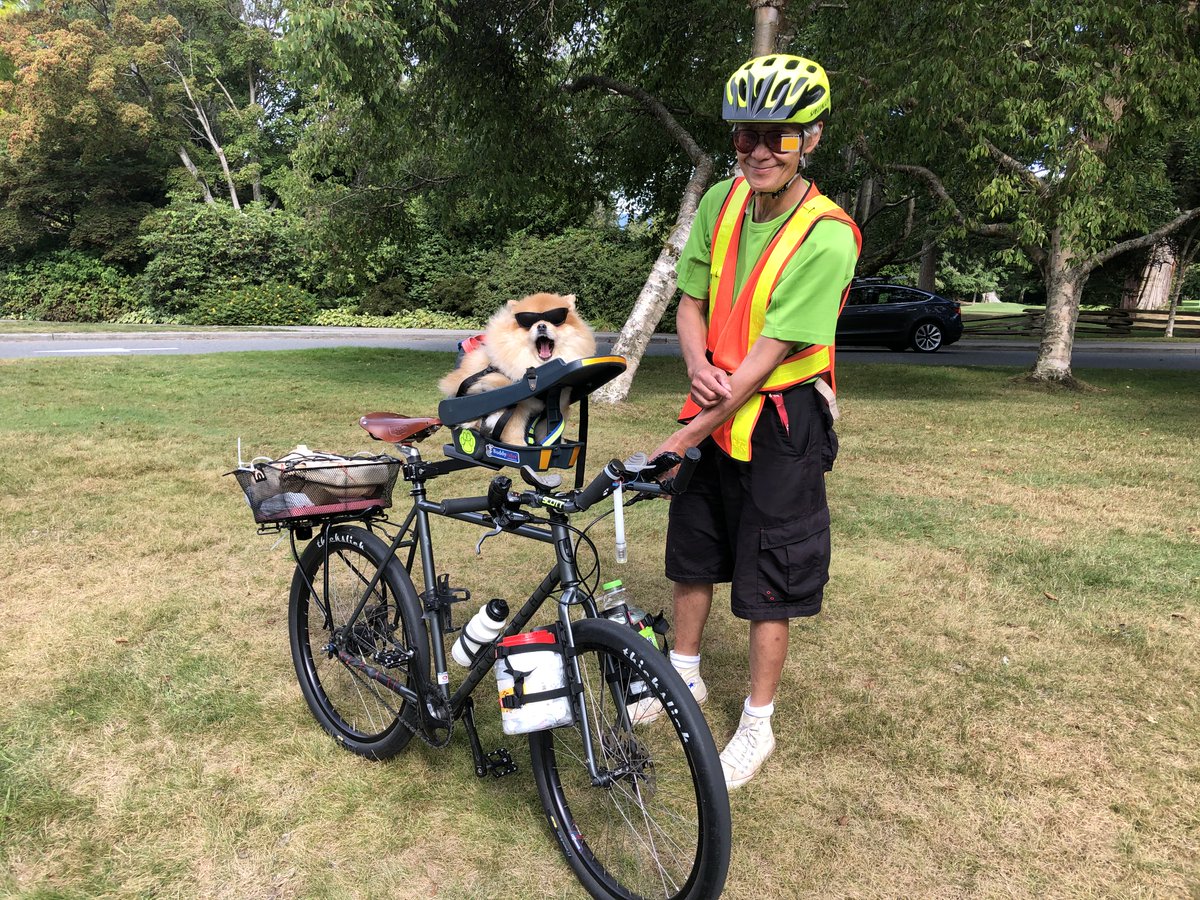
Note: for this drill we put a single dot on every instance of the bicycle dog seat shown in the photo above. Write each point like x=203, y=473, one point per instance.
x=546, y=383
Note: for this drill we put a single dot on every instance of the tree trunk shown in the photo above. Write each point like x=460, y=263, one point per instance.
x=195, y=173
x=1154, y=288
x=929, y=260
x=202, y=118
x=864, y=201
x=766, y=25
x=1184, y=258
x=1064, y=289
x=656, y=293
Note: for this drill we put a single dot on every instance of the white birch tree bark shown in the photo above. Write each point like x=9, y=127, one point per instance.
x=195, y=173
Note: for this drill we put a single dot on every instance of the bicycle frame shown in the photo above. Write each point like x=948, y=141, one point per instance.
x=414, y=533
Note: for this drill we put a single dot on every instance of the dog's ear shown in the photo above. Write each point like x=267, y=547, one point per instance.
x=512, y=303
x=570, y=298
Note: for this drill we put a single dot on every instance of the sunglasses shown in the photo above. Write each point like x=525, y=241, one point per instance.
x=745, y=140
x=555, y=316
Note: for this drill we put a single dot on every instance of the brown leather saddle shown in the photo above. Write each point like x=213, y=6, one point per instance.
x=397, y=429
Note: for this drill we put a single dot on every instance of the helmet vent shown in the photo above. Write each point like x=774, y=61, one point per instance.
x=793, y=63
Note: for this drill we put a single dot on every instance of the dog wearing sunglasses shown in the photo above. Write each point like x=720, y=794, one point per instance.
x=522, y=334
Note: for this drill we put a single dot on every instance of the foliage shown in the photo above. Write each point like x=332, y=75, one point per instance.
x=197, y=250
x=417, y=318
x=65, y=286
x=271, y=303
x=385, y=299
x=1056, y=122
x=605, y=269
x=78, y=154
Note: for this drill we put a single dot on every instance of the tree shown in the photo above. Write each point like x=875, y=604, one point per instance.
x=614, y=99
x=1054, y=118
x=80, y=161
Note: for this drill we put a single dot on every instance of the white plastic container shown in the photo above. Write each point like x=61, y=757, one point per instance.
x=482, y=629
x=527, y=665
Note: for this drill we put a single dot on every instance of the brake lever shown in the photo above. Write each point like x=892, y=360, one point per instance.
x=487, y=534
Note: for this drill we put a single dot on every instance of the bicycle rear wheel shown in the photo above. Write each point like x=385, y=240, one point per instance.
x=343, y=668
x=658, y=825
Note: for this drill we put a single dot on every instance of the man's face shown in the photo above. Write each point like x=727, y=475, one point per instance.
x=774, y=157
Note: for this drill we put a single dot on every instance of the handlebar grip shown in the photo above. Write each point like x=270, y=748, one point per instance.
x=691, y=458
x=598, y=487
x=465, y=504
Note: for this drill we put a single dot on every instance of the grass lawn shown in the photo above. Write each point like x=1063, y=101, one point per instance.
x=1001, y=698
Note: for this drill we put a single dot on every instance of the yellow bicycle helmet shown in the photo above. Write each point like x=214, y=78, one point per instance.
x=777, y=88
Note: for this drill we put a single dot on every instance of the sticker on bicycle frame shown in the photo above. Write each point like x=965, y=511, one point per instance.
x=443, y=677
x=466, y=441
x=510, y=456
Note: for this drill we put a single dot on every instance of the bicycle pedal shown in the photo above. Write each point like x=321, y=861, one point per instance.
x=500, y=763
x=394, y=659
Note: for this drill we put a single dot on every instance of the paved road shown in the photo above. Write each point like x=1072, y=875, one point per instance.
x=968, y=352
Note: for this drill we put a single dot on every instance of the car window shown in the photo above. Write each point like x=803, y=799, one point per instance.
x=862, y=297
x=900, y=295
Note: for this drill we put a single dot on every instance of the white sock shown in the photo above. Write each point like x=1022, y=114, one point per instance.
x=683, y=663
x=759, y=712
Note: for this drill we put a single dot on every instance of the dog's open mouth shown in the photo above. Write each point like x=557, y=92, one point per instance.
x=545, y=347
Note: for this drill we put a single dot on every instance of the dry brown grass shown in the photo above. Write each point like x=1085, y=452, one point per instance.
x=1000, y=699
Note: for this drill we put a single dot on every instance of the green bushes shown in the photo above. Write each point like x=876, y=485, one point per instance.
x=604, y=267
x=66, y=286
x=212, y=265
x=257, y=304
x=417, y=318
x=203, y=251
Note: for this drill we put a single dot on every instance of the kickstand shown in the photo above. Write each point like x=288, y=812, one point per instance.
x=498, y=763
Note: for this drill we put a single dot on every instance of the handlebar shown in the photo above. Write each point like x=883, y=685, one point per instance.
x=465, y=505
x=635, y=474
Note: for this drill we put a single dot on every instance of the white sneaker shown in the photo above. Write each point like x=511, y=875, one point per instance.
x=650, y=708
x=747, y=750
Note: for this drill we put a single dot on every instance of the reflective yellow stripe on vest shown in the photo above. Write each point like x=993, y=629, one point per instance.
x=730, y=221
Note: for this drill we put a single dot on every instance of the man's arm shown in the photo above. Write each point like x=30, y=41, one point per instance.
x=709, y=384
x=766, y=354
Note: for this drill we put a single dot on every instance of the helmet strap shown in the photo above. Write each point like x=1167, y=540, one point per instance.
x=775, y=195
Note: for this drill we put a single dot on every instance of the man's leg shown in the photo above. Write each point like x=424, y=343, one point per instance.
x=692, y=601
x=754, y=740
x=768, y=653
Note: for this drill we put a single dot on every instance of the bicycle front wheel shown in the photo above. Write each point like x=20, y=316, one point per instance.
x=655, y=823
x=344, y=667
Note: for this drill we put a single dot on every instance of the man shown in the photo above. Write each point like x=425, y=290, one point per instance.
x=763, y=275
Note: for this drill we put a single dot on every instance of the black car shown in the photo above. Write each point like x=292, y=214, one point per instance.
x=896, y=316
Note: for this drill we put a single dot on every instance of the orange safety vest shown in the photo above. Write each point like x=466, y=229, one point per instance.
x=734, y=327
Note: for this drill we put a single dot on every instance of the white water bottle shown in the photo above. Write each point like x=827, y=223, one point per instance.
x=483, y=628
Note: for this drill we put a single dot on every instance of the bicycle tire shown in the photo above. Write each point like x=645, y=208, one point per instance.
x=364, y=715
x=663, y=828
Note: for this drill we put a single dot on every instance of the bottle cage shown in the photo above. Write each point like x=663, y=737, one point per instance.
x=546, y=383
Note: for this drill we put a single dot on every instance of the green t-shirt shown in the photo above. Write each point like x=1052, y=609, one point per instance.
x=804, y=304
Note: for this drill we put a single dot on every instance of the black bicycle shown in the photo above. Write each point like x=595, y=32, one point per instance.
x=639, y=808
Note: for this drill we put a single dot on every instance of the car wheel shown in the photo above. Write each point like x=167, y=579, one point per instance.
x=926, y=337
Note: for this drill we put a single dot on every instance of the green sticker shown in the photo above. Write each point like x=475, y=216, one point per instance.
x=466, y=441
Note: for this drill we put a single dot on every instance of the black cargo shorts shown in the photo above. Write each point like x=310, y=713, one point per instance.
x=762, y=525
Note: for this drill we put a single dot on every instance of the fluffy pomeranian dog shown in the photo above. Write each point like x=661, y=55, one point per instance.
x=522, y=334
